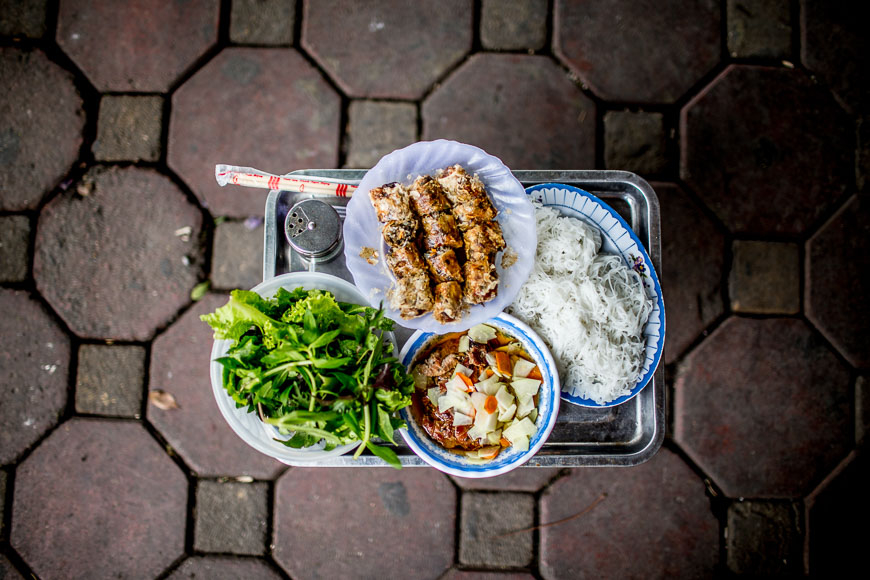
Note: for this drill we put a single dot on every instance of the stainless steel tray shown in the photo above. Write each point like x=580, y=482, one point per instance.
x=624, y=435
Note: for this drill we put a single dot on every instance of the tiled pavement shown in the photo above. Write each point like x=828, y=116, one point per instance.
x=749, y=117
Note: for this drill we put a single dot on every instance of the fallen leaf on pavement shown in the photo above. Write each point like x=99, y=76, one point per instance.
x=162, y=400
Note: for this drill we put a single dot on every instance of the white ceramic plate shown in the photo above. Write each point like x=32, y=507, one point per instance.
x=508, y=459
x=516, y=215
x=617, y=238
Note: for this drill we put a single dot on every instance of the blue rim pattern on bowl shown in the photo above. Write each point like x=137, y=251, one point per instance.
x=548, y=409
x=617, y=238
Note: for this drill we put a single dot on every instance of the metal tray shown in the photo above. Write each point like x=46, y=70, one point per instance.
x=624, y=435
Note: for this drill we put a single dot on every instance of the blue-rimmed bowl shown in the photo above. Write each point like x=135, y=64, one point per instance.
x=617, y=238
x=508, y=459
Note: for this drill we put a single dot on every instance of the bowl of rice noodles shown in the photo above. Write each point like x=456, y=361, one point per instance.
x=593, y=296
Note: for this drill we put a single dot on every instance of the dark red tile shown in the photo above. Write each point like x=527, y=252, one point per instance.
x=332, y=523
x=224, y=568
x=759, y=28
x=387, y=48
x=196, y=430
x=654, y=522
x=764, y=539
x=638, y=51
x=3, y=478
x=495, y=101
x=521, y=479
x=34, y=371
x=767, y=149
x=838, y=259
x=263, y=108
x=144, y=45
x=40, y=106
x=764, y=408
x=835, y=46
x=836, y=512
x=693, y=296
x=99, y=499
x=765, y=277
x=112, y=268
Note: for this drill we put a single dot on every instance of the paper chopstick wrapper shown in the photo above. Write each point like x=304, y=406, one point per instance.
x=250, y=177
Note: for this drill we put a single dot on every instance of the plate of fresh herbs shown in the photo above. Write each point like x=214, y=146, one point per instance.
x=303, y=370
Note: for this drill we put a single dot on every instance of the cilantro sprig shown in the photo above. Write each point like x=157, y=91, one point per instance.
x=314, y=367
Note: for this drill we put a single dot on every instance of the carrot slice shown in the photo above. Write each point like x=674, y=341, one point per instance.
x=504, y=442
x=503, y=362
x=492, y=456
x=535, y=373
x=467, y=380
x=490, y=405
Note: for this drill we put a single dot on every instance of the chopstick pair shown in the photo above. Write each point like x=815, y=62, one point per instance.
x=250, y=177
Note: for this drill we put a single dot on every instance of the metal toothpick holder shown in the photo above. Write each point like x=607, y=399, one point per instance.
x=313, y=230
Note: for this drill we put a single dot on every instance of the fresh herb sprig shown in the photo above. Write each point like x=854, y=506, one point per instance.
x=314, y=367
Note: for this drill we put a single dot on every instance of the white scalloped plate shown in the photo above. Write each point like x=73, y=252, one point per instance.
x=516, y=215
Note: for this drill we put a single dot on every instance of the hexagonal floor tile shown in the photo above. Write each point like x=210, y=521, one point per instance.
x=630, y=50
x=140, y=45
x=196, y=429
x=763, y=407
x=224, y=568
x=332, y=523
x=693, y=295
x=99, y=499
x=391, y=48
x=263, y=108
x=110, y=269
x=766, y=149
x=495, y=101
x=34, y=370
x=654, y=521
x=838, y=259
x=35, y=88
x=842, y=64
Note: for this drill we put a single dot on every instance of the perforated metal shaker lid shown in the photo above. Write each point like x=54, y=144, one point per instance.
x=313, y=228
